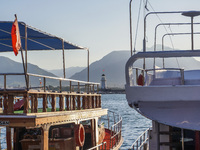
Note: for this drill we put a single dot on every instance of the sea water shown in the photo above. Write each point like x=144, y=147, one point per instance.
x=133, y=124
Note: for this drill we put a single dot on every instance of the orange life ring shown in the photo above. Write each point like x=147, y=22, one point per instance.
x=79, y=133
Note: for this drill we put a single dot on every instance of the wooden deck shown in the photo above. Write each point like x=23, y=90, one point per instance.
x=72, y=108
x=50, y=118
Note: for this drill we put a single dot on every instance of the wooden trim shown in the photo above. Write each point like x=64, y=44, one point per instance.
x=96, y=99
x=93, y=132
x=16, y=139
x=8, y=138
x=61, y=103
x=93, y=102
x=71, y=103
x=99, y=101
x=44, y=103
x=26, y=103
x=78, y=102
x=89, y=102
x=5, y=103
x=10, y=104
x=45, y=137
x=32, y=103
x=72, y=116
x=67, y=102
x=35, y=103
x=1, y=102
x=84, y=102
x=53, y=103
x=74, y=102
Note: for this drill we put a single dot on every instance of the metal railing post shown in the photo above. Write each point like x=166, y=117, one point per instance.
x=4, y=82
x=182, y=76
x=136, y=75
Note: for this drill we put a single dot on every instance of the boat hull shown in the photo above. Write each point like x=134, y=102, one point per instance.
x=135, y=94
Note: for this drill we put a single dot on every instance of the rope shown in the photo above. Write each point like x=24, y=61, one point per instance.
x=164, y=28
x=136, y=32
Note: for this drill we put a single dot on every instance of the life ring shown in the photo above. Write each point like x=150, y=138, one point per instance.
x=79, y=133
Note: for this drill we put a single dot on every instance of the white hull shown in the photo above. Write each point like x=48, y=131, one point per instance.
x=137, y=94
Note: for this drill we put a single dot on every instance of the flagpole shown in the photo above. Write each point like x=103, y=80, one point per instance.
x=25, y=71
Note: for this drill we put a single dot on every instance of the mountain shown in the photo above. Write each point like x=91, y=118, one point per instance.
x=9, y=66
x=113, y=65
x=69, y=71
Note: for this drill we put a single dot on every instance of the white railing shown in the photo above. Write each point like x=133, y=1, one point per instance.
x=101, y=146
x=113, y=123
x=141, y=143
x=73, y=85
x=150, y=74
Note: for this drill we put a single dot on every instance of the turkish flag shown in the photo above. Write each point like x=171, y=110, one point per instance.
x=16, y=41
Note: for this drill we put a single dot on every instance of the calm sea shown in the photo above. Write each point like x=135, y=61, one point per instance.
x=133, y=124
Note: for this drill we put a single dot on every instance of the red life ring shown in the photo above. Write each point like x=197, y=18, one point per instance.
x=79, y=133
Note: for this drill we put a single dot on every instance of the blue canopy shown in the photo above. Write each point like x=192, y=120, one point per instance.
x=36, y=39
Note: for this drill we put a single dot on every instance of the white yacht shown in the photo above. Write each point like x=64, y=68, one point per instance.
x=169, y=96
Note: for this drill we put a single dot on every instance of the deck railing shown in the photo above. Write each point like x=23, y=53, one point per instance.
x=70, y=94
x=89, y=87
x=141, y=143
x=101, y=146
x=114, y=125
x=146, y=73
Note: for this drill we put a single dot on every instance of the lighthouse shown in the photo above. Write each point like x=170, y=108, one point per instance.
x=103, y=82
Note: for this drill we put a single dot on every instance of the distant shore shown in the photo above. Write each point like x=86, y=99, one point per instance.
x=112, y=91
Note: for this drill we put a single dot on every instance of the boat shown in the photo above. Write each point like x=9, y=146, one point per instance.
x=50, y=112
x=168, y=95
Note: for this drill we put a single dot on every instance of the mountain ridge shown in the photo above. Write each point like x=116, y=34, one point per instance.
x=112, y=65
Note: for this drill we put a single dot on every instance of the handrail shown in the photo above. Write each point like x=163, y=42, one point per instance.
x=156, y=69
x=74, y=98
x=63, y=79
x=98, y=146
x=115, y=129
x=79, y=82
x=160, y=54
x=164, y=69
x=141, y=140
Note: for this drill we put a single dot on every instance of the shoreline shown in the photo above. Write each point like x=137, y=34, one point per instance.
x=112, y=91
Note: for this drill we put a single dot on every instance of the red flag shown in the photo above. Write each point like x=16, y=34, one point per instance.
x=16, y=41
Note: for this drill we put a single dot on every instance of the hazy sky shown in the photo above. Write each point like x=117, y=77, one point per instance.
x=100, y=25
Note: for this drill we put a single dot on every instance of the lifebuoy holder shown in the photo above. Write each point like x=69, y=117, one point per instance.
x=79, y=133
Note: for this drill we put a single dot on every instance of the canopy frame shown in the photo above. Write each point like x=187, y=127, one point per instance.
x=34, y=36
